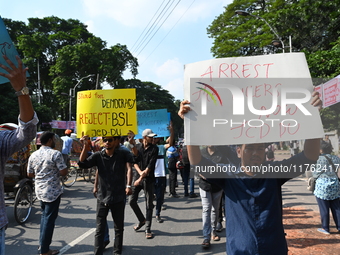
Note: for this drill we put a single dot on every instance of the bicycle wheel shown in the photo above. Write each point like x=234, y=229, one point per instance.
x=92, y=174
x=23, y=203
x=71, y=177
x=86, y=174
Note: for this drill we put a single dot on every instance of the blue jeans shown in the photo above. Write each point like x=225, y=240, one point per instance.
x=49, y=213
x=187, y=181
x=210, y=206
x=192, y=185
x=324, y=206
x=2, y=241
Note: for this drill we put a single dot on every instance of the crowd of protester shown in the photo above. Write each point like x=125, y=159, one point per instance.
x=126, y=166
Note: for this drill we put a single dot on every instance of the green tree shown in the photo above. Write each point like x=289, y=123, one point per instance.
x=326, y=65
x=65, y=52
x=80, y=60
x=313, y=25
x=151, y=96
x=245, y=36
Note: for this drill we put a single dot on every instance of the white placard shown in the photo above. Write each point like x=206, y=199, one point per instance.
x=250, y=100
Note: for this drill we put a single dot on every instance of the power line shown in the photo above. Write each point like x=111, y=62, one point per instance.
x=155, y=23
x=152, y=27
x=169, y=32
x=159, y=27
x=147, y=25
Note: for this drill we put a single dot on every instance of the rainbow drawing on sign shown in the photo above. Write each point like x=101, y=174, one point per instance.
x=214, y=92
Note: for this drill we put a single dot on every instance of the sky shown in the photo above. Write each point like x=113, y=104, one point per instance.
x=178, y=36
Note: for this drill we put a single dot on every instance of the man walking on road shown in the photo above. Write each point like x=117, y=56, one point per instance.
x=160, y=172
x=46, y=165
x=146, y=158
x=111, y=186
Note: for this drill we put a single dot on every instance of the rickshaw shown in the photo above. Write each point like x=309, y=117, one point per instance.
x=18, y=188
x=87, y=174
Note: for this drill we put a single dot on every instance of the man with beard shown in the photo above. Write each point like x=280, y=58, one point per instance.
x=112, y=184
x=46, y=165
x=146, y=158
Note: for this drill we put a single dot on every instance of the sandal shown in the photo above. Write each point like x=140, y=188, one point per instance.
x=206, y=244
x=139, y=226
x=215, y=238
x=148, y=235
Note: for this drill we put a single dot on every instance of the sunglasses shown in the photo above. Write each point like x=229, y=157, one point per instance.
x=105, y=140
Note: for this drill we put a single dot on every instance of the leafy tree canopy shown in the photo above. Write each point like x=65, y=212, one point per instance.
x=247, y=35
x=313, y=25
x=64, y=51
x=151, y=96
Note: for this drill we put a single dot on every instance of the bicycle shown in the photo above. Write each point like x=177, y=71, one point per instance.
x=89, y=174
x=74, y=170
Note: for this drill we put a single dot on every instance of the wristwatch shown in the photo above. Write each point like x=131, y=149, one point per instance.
x=23, y=92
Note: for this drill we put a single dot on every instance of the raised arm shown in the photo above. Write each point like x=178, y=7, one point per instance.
x=132, y=143
x=85, y=149
x=312, y=146
x=194, y=152
x=17, y=77
x=170, y=140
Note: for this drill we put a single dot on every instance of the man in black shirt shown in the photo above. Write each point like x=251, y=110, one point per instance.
x=112, y=185
x=145, y=161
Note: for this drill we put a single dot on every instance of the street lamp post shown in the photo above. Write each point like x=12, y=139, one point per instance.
x=244, y=13
x=70, y=94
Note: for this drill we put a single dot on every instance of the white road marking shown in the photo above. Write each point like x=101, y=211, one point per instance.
x=75, y=241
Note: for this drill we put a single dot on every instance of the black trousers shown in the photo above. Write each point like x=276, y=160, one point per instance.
x=172, y=180
x=159, y=192
x=148, y=186
x=117, y=212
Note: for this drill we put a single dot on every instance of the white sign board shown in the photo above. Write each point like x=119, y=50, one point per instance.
x=250, y=100
x=331, y=92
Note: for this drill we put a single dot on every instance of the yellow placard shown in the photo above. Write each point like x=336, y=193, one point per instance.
x=106, y=112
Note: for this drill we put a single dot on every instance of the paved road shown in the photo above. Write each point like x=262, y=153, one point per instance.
x=181, y=232
x=74, y=233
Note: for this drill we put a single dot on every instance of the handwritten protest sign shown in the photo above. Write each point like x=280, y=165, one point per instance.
x=106, y=112
x=157, y=120
x=331, y=92
x=250, y=100
x=8, y=49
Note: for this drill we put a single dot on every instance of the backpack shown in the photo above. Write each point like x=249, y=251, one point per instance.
x=172, y=152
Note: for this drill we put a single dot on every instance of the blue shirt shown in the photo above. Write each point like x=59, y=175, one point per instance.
x=67, y=145
x=253, y=209
x=327, y=186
